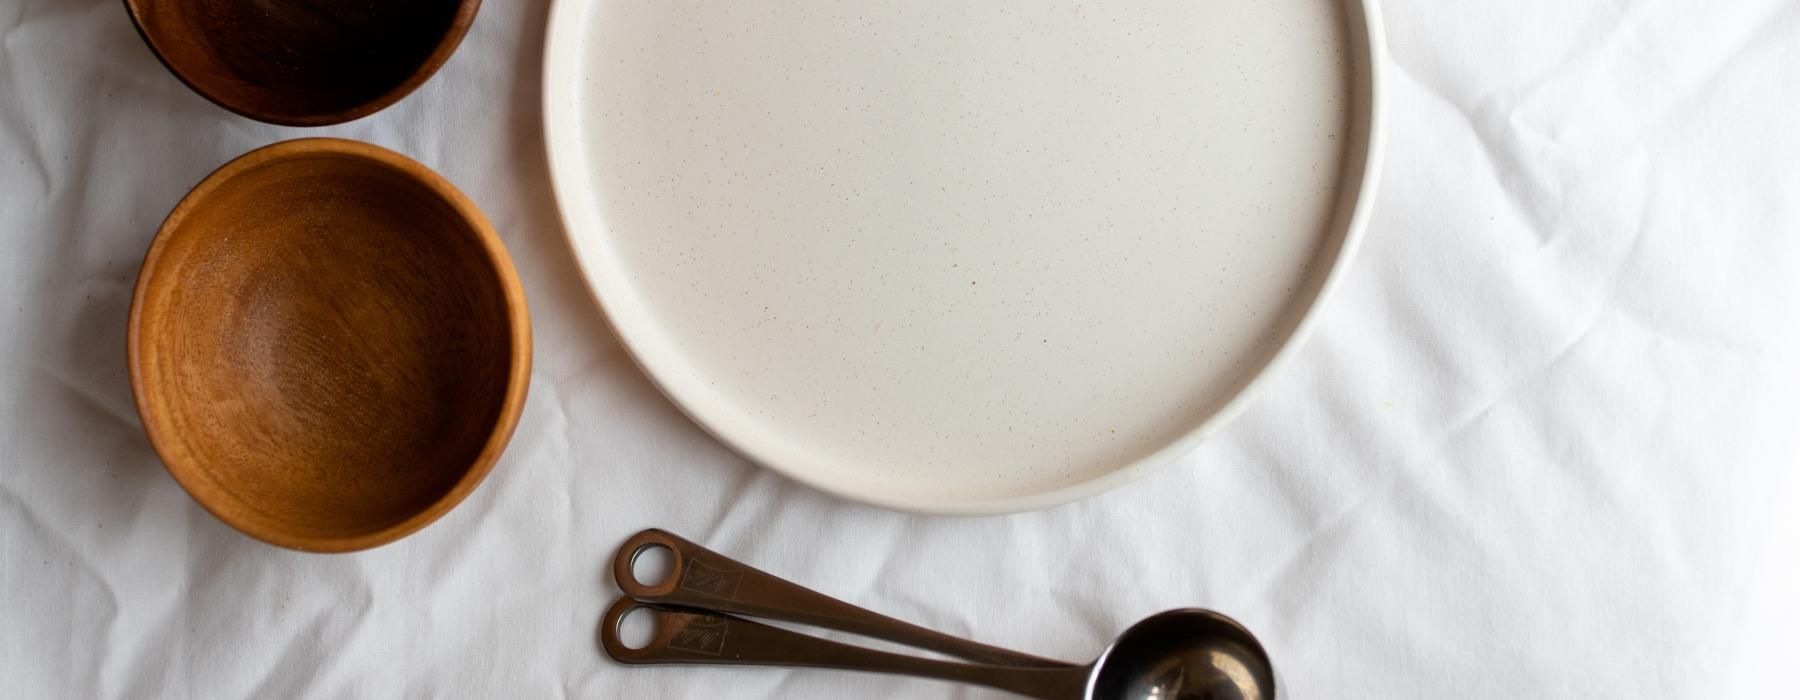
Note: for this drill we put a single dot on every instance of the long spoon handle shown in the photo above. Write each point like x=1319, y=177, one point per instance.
x=704, y=579
x=704, y=637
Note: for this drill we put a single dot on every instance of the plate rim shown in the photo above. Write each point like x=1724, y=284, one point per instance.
x=1369, y=44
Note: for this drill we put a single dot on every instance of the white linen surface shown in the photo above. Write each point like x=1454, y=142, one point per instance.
x=1543, y=444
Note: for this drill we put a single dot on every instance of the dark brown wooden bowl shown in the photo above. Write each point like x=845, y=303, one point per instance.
x=303, y=62
x=328, y=345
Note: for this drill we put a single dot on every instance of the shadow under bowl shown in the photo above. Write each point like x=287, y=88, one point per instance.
x=328, y=345
x=307, y=63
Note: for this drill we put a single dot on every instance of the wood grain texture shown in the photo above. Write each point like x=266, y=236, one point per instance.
x=329, y=347
x=303, y=62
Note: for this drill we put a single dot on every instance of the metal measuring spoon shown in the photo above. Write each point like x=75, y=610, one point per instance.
x=1187, y=654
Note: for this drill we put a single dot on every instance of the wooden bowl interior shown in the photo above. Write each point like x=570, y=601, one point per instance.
x=297, y=62
x=326, y=346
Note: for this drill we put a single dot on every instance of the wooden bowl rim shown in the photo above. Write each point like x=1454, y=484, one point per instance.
x=173, y=454
x=447, y=45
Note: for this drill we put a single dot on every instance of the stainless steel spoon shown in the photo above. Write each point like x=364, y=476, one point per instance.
x=1189, y=654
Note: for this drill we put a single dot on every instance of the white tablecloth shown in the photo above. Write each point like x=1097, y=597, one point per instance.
x=1544, y=443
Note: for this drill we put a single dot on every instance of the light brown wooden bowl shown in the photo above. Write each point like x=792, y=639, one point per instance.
x=303, y=63
x=328, y=345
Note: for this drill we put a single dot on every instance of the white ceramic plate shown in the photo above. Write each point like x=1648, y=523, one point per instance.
x=962, y=257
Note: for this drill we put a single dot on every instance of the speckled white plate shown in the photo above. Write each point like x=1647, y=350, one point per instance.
x=962, y=257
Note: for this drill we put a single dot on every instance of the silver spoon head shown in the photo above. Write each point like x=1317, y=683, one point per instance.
x=1185, y=654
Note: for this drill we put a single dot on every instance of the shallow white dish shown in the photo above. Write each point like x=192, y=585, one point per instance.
x=960, y=257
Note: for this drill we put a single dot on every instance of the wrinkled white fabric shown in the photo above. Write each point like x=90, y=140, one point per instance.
x=1543, y=444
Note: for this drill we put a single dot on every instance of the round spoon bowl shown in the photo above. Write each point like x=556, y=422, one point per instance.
x=1189, y=654
x=329, y=347
x=303, y=63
